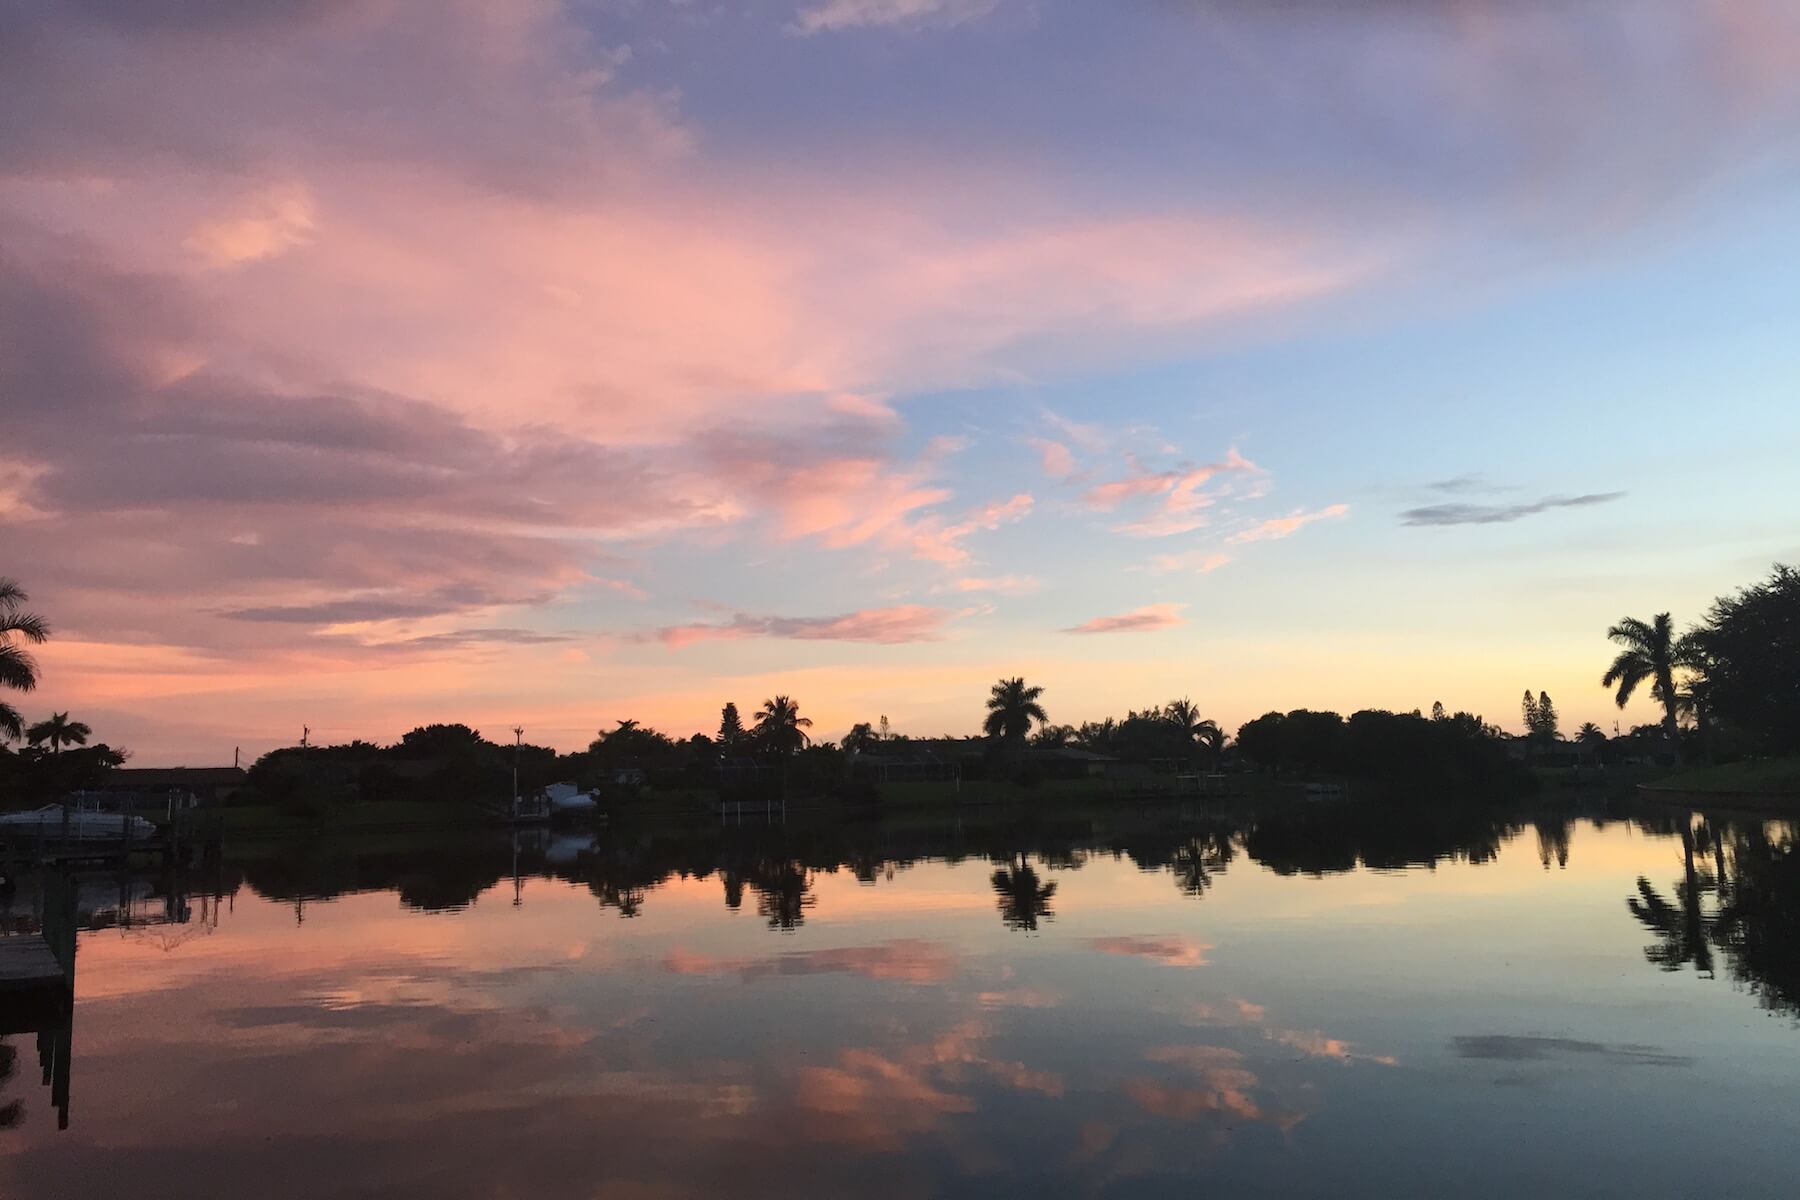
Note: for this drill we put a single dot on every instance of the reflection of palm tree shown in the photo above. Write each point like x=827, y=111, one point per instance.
x=1023, y=899
x=1651, y=652
x=59, y=731
x=1195, y=861
x=18, y=670
x=1682, y=927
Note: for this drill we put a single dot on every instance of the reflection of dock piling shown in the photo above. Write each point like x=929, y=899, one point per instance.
x=37, y=988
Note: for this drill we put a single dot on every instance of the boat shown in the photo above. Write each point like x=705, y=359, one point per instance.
x=567, y=799
x=55, y=822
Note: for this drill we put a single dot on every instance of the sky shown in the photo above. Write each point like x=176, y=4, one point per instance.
x=364, y=365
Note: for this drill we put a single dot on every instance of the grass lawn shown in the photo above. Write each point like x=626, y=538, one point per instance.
x=1767, y=776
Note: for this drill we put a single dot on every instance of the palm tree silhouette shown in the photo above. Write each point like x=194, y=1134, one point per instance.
x=18, y=670
x=1012, y=709
x=59, y=731
x=1185, y=716
x=1023, y=899
x=781, y=727
x=1653, y=652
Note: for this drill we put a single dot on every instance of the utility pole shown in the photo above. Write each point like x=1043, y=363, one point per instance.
x=518, y=740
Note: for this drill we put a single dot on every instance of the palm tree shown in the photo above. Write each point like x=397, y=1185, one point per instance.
x=1651, y=651
x=1209, y=735
x=781, y=727
x=860, y=738
x=18, y=670
x=59, y=731
x=1012, y=708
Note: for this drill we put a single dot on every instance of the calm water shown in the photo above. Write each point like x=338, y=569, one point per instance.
x=1132, y=1004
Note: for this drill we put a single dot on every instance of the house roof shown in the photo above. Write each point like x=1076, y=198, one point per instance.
x=1072, y=754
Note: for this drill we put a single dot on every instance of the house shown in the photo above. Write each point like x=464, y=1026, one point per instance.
x=903, y=764
x=1071, y=762
x=135, y=789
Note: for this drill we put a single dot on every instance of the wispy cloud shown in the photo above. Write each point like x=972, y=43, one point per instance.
x=1498, y=514
x=1279, y=527
x=884, y=626
x=1464, y=484
x=1176, y=497
x=1148, y=619
x=1008, y=585
x=1200, y=562
x=835, y=15
x=943, y=543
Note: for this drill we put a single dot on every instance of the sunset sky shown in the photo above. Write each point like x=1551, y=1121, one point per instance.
x=370, y=364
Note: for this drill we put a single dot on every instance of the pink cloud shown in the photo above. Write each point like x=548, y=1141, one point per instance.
x=1010, y=585
x=1179, y=499
x=943, y=543
x=1200, y=562
x=1280, y=527
x=1148, y=619
x=1057, y=459
x=883, y=626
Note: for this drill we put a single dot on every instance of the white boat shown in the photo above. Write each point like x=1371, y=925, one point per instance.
x=55, y=823
x=568, y=798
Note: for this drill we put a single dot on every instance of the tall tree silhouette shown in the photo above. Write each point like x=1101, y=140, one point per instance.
x=58, y=731
x=18, y=670
x=1024, y=900
x=1651, y=652
x=731, y=728
x=780, y=726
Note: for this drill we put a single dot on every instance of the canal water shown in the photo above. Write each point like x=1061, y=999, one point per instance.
x=1327, y=1002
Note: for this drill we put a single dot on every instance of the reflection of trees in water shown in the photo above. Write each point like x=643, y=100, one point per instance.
x=1024, y=899
x=1738, y=898
x=1333, y=838
x=1192, y=859
x=1553, y=840
x=783, y=893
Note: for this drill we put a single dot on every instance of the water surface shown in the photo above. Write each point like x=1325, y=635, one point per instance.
x=1142, y=1003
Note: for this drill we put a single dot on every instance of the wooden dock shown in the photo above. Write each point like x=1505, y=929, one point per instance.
x=27, y=964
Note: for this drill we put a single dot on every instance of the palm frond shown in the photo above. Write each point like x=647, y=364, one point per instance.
x=18, y=670
x=12, y=727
